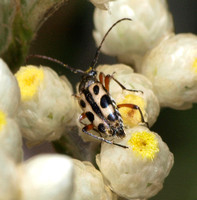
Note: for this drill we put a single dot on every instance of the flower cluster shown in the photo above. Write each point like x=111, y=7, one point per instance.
x=44, y=109
x=38, y=105
x=139, y=170
x=43, y=113
x=149, y=44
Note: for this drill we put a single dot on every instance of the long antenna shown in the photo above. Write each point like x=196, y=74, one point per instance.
x=95, y=60
x=56, y=61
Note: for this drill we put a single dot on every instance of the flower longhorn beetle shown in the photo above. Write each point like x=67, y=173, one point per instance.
x=95, y=100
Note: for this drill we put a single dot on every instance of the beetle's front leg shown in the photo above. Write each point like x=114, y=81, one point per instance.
x=89, y=127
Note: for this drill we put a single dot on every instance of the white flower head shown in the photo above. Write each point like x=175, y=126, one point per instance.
x=46, y=177
x=172, y=68
x=47, y=103
x=9, y=90
x=89, y=183
x=10, y=138
x=144, y=98
x=150, y=22
x=9, y=179
x=140, y=170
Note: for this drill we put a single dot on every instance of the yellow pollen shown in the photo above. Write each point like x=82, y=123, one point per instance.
x=2, y=120
x=194, y=66
x=29, y=79
x=144, y=144
x=131, y=117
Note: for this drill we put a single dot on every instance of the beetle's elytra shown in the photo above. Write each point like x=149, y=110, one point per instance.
x=94, y=98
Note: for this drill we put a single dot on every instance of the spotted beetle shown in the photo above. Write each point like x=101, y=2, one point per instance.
x=95, y=100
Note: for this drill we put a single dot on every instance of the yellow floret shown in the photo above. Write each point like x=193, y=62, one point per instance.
x=144, y=144
x=2, y=120
x=29, y=79
x=194, y=66
x=132, y=117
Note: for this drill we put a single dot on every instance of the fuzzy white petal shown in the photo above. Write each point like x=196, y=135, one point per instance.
x=9, y=179
x=9, y=90
x=46, y=177
x=11, y=140
x=89, y=183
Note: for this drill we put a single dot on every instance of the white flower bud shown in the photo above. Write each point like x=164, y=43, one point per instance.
x=9, y=90
x=89, y=184
x=145, y=98
x=46, y=177
x=47, y=103
x=140, y=170
x=10, y=138
x=172, y=68
x=150, y=22
x=8, y=179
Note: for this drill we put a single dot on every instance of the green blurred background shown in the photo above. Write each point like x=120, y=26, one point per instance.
x=67, y=35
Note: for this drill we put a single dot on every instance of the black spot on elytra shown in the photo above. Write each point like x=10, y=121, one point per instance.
x=82, y=103
x=105, y=101
x=90, y=116
x=96, y=89
x=112, y=117
x=101, y=128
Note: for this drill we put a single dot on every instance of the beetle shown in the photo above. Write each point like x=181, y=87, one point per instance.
x=96, y=102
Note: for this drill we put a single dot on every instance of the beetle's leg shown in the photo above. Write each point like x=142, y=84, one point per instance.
x=101, y=77
x=90, y=127
x=107, y=81
x=123, y=87
x=133, y=106
x=76, y=96
x=81, y=117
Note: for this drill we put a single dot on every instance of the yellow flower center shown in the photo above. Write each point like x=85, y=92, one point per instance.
x=144, y=144
x=131, y=117
x=2, y=120
x=194, y=66
x=29, y=79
